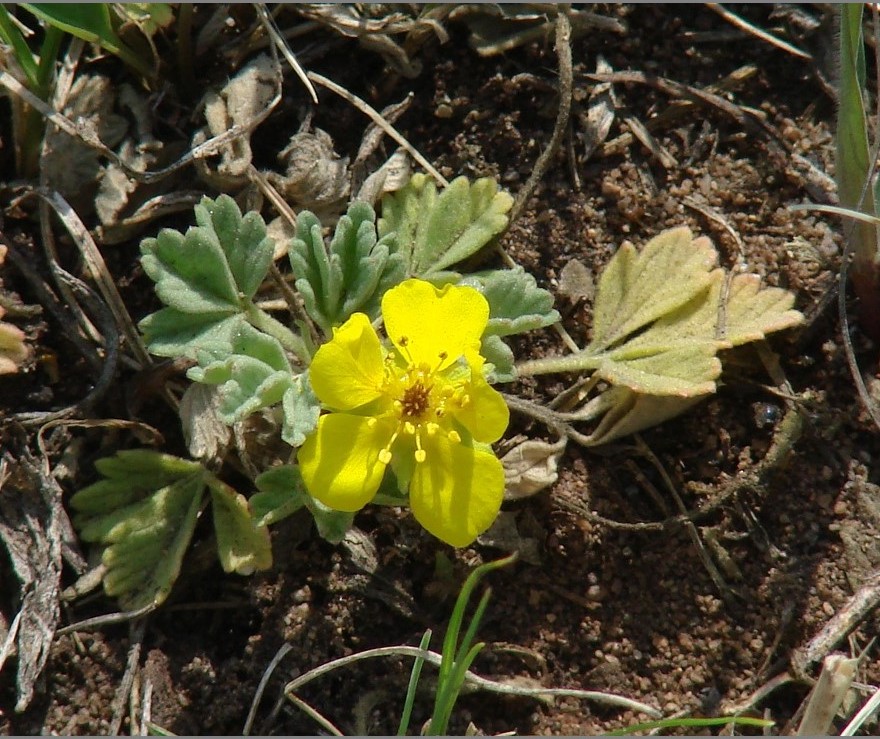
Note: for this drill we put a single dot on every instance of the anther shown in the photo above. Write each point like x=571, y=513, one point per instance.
x=454, y=437
x=385, y=456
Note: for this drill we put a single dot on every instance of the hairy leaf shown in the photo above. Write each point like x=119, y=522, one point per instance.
x=252, y=372
x=753, y=311
x=144, y=512
x=301, y=410
x=244, y=545
x=500, y=357
x=435, y=230
x=516, y=303
x=281, y=494
x=351, y=274
x=661, y=317
x=207, y=277
x=637, y=288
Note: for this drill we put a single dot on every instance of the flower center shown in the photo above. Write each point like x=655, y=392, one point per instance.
x=415, y=400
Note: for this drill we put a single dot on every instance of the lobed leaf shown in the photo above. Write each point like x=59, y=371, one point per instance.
x=301, y=409
x=637, y=288
x=516, y=303
x=207, y=277
x=499, y=358
x=144, y=512
x=243, y=544
x=349, y=276
x=281, y=493
x=435, y=230
x=251, y=369
x=753, y=311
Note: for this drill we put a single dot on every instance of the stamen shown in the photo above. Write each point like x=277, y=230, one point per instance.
x=385, y=454
x=420, y=453
x=453, y=437
x=409, y=428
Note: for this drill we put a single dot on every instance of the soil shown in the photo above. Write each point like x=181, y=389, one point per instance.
x=606, y=604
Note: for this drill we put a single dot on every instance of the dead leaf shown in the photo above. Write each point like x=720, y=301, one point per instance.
x=316, y=177
x=531, y=467
x=34, y=529
x=504, y=534
x=576, y=282
x=207, y=436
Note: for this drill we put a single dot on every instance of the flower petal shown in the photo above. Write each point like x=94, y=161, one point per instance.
x=432, y=322
x=486, y=414
x=456, y=492
x=347, y=371
x=340, y=463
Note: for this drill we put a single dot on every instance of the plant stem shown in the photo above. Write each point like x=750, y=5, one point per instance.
x=289, y=340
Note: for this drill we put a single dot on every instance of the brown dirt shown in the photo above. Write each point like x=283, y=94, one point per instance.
x=634, y=612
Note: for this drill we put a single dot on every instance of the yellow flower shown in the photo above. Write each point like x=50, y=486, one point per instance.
x=424, y=407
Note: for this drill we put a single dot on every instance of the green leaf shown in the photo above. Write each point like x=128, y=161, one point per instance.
x=500, y=357
x=144, y=513
x=243, y=545
x=434, y=231
x=332, y=525
x=208, y=278
x=281, y=494
x=301, y=410
x=516, y=303
x=753, y=311
x=11, y=36
x=251, y=370
x=351, y=274
x=92, y=23
x=661, y=317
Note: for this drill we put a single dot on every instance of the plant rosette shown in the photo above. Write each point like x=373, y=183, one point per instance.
x=422, y=407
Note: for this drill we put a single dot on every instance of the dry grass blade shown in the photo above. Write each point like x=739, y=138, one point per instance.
x=838, y=673
x=123, y=692
x=264, y=680
x=760, y=33
x=377, y=118
x=282, y=46
x=98, y=269
x=473, y=682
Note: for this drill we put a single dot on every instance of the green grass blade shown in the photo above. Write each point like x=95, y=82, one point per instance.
x=10, y=34
x=414, y=676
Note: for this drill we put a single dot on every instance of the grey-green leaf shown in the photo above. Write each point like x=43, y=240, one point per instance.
x=144, y=513
x=301, y=410
x=500, y=357
x=436, y=230
x=251, y=370
x=281, y=493
x=516, y=303
x=207, y=277
x=348, y=276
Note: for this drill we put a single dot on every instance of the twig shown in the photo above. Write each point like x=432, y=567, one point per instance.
x=566, y=77
x=376, y=117
x=136, y=635
x=853, y=612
